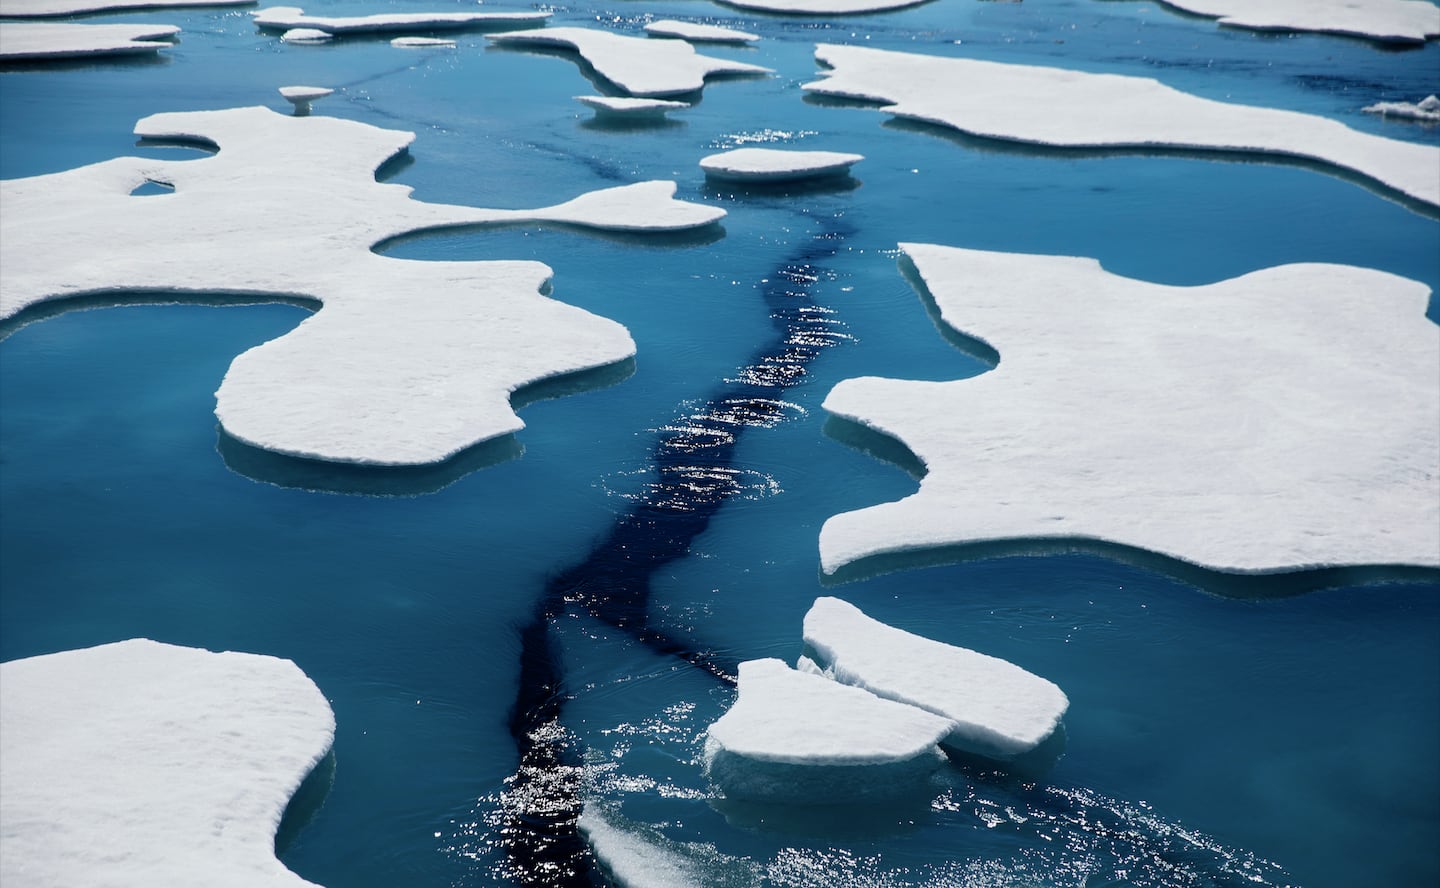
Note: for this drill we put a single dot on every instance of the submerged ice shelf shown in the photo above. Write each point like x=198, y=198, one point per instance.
x=1387, y=21
x=407, y=362
x=42, y=41
x=139, y=764
x=1291, y=421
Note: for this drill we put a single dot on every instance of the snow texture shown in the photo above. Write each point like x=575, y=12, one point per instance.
x=289, y=17
x=1389, y=21
x=801, y=738
x=306, y=35
x=776, y=165
x=996, y=708
x=138, y=764
x=630, y=108
x=408, y=362
x=1055, y=107
x=1427, y=110
x=698, y=33
x=823, y=7
x=41, y=41
x=1285, y=419
x=640, y=67
x=633, y=860
x=25, y=9
x=420, y=42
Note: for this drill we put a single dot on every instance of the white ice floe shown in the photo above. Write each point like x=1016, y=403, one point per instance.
x=823, y=7
x=630, y=108
x=1390, y=21
x=1427, y=110
x=24, y=9
x=420, y=42
x=1285, y=419
x=295, y=17
x=776, y=164
x=1051, y=106
x=302, y=96
x=138, y=764
x=41, y=41
x=698, y=33
x=306, y=35
x=633, y=859
x=802, y=738
x=641, y=67
x=407, y=362
x=997, y=709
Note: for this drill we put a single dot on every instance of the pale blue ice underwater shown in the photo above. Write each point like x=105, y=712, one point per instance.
x=1211, y=738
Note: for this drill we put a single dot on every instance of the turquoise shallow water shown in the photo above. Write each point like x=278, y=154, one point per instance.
x=1211, y=738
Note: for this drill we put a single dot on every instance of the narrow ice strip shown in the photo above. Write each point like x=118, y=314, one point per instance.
x=630, y=108
x=420, y=42
x=698, y=33
x=24, y=9
x=641, y=67
x=802, y=738
x=775, y=164
x=407, y=362
x=1285, y=419
x=823, y=7
x=1388, y=21
x=1051, y=106
x=997, y=708
x=40, y=41
x=295, y=17
x=1427, y=110
x=139, y=764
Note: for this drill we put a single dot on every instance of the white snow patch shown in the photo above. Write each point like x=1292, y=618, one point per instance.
x=1051, y=106
x=41, y=41
x=775, y=164
x=1391, y=21
x=1285, y=419
x=698, y=33
x=408, y=362
x=306, y=35
x=641, y=67
x=823, y=7
x=143, y=764
x=295, y=17
x=24, y=9
x=1427, y=110
x=632, y=859
x=420, y=42
x=630, y=107
x=997, y=708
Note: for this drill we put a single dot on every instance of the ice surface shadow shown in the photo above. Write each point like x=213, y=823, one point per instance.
x=50, y=308
x=434, y=235
x=134, y=60
x=307, y=801
x=722, y=189
x=620, y=123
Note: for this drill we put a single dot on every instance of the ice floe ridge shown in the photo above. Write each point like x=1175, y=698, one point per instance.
x=139, y=764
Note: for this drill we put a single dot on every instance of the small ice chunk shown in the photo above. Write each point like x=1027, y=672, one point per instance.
x=799, y=738
x=44, y=41
x=306, y=35
x=776, y=165
x=420, y=42
x=698, y=33
x=302, y=96
x=995, y=708
x=630, y=108
x=1426, y=110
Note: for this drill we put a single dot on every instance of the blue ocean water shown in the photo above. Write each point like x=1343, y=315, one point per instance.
x=1217, y=734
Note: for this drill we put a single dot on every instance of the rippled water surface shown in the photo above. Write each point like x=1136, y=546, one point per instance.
x=641, y=537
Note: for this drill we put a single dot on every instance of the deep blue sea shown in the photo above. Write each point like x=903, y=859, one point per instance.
x=1219, y=733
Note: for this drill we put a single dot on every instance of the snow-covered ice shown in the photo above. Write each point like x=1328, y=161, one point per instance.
x=630, y=108
x=407, y=362
x=997, y=708
x=1285, y=419
x=801, y=738
x=24, y=9
x=1427, y=110
x=823, y=7
x=1390, y=21
x=698, y=33
x=294, y=17
x=776, y=164
x=1056, y=107
x=39, y=41
x=302, y=96
x=420, y=42
x=640, y=67
x=139, y=764
x=306, y=35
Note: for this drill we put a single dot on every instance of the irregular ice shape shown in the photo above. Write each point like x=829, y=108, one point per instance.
x=408, y=362
x=24, y=9
x=306, y=35
x=1426, y=110
x=1389, y=21
x=302, y=96
x=41, y=41
x=1051, y=106
x=420, y=42
x=997, y=708
x=776, y=165
x=295, y=17
x=1285, y=419
x=698, y=33
x=801, y=738
x=636, y=856
x=628, y=108
x=646, y=68
x=823, y=7
x=144, y=764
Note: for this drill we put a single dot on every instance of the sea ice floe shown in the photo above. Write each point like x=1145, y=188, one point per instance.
x=776, y=164
x=698, y=33
x=823, y=7
x=139, y=764
x=306, y=35
x=302, y=96
x=996, y=708
x=24, y=9
x=640, y=67
x=630, y=108
x=407, y=362
x=294, y=17
x=1051, y=106
x=41, y=41
x=1426, y=110
x=1285, y=419
x=420, y=42
x=800, y=738
x=1390, y=21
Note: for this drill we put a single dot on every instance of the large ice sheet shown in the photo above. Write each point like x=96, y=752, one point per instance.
x=1285, y=419
x=144, y=764
x=997, y=708
x=294, y=17
x=1389, y=21
x=1056, y=107
x=24, y=9
x=408, y=362
x=40, y=41
x=640, y=67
